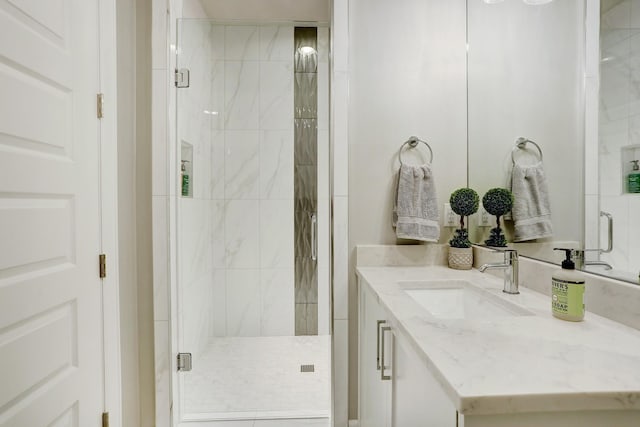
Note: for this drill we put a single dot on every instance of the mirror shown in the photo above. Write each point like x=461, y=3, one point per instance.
x=618, y=142
x=525, y=80
x=533, y=72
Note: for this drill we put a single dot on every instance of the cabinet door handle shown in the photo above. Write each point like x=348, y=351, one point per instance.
x=383, y=377
x=378, y=323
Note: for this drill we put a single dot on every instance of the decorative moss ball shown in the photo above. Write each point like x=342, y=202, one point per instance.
x=460, y=239
x=464, y=201
x=498, y=201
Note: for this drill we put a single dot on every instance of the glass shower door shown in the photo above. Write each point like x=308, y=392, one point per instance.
x=253, y=220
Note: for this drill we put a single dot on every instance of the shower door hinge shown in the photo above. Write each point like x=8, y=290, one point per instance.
x=105, y=419
x=100, y=105
x=102, y=260
x=184, y=362
x=182, y=78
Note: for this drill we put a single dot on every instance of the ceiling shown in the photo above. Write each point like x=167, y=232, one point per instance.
x=266, y=10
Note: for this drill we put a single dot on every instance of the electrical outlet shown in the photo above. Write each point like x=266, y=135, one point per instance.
x=484, y=219
x=450, y=218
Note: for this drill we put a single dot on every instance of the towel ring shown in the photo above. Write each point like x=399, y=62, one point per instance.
x=521, y=144
x=413, y=143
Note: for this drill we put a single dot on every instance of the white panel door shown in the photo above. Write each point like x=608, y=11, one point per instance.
x=51, y=355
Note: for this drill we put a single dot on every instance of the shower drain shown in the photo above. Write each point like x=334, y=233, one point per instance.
x=307, y=368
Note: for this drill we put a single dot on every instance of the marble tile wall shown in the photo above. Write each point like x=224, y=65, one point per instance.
x=198, y=217
x=236, y=233
x=619, y=129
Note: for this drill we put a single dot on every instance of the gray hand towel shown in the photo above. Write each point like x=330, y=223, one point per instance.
x=531, y=210
x=415, y=214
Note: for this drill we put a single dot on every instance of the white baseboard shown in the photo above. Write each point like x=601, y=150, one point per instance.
x=354, y=423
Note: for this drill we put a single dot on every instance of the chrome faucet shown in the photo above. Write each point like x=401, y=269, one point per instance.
x=510, y=266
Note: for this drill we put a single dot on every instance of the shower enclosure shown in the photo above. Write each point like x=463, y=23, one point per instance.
x=252, y=221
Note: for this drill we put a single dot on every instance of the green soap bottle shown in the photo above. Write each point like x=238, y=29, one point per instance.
x=633, y=180
x=567, y=291
x=185, y=178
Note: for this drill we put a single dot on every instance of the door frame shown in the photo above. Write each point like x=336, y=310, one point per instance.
x=109, y=211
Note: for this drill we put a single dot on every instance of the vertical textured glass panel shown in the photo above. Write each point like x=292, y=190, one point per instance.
x=306, y=142
x=303, y=231
x=306, y=95
x=305, y=194
x=306, y=49
x=305, y=180
x=306, y=275
x=306, y=319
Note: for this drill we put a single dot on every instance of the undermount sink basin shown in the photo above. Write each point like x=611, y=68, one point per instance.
x=460, y=299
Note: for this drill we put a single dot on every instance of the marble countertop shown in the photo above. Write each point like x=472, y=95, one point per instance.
x=514, y=364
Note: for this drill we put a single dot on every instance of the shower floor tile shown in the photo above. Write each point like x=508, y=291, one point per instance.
x=259, y=377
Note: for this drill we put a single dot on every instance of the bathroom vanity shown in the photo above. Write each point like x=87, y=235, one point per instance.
x=445, y=348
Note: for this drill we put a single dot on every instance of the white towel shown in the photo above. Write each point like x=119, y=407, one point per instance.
x=415, y=213
x=531, y=210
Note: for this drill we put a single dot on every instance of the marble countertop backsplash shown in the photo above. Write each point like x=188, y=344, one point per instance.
x=515, y=364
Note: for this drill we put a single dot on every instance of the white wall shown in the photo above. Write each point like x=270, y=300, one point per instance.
x=134, y=204
x=406, y=77
x=619, y=128
x=126, y=213
x=144, y=260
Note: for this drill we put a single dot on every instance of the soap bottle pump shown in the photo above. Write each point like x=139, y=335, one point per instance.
x=567, y=291
x=633, y=180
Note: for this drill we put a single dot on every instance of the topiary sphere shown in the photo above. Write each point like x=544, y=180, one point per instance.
x=498, y=201
x=464, y=201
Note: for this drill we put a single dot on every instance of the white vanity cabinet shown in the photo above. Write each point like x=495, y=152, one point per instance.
x=418, y=399
x=448, y=387
x=404, y=393
x=374, y=389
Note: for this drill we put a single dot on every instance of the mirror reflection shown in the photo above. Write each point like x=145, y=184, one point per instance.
x=617, y=201
x=526, y=108
x=553, y=97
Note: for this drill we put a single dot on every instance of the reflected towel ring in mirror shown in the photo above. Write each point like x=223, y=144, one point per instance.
x=413, y=143
x=521, y=144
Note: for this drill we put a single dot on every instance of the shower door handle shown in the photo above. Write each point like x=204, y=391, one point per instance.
x=314, y=237
x=609, y=232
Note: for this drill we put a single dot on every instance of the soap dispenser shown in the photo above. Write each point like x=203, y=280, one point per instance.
x=633, y=180
x=567, y=291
